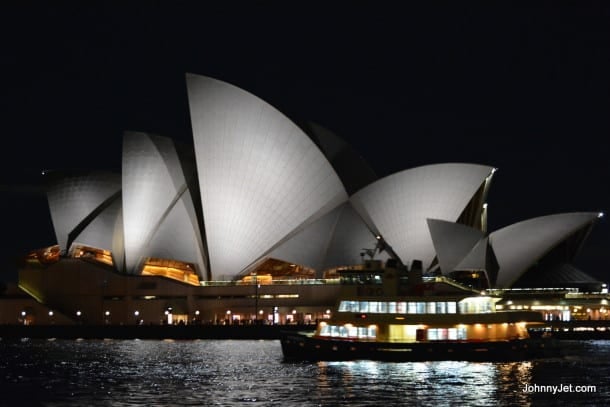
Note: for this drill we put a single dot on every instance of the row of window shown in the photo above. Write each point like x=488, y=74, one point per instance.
x=370, y=332
x=399, y=307
x=475, y=305
x=349, y=331
x=444, y=334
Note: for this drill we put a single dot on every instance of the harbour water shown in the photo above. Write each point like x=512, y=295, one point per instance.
x=251, y=372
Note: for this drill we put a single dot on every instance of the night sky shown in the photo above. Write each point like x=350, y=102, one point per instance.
x=519, y=86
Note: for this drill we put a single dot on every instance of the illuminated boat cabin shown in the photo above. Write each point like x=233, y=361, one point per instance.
x=390, y=305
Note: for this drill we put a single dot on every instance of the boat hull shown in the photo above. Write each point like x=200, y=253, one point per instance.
x=301, y=347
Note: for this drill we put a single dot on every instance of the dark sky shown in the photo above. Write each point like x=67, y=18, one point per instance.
x=523, y=87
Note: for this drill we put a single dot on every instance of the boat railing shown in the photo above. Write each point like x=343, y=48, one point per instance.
x=446, y=280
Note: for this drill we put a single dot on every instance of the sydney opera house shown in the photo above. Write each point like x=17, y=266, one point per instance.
x=252, y=221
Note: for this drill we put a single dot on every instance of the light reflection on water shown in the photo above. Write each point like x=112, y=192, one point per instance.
x=137, y=373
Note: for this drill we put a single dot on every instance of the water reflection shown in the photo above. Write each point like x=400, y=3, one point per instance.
x=227, y=373
x=442, y=383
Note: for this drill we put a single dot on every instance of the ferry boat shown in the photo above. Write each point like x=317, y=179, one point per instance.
x=394, y=314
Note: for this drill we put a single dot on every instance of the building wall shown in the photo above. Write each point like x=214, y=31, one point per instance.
x=72, y=285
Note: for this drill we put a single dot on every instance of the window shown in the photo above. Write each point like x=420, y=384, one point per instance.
x=451, y=309
x=349, y=306
x=412, y=308
x=439, y=334
x=441, y=307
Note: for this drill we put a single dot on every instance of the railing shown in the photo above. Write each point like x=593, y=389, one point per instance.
x=309, y=281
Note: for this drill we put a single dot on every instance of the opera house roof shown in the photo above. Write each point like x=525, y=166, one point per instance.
x=255, y=186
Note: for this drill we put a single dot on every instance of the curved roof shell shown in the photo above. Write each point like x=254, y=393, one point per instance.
x=334, y=240
x=398, y=206
x=452, y=242
x=102, y=231
x=261, y=177
x=518, y=246
x=75, y=201
x=159, y=218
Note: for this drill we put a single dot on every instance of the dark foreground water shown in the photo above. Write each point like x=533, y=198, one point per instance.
x=232, y=373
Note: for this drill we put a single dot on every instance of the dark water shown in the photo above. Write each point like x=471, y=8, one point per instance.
x=232, y=373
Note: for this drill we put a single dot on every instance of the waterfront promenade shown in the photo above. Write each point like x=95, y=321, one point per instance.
x=577, y=329
x=148, y=331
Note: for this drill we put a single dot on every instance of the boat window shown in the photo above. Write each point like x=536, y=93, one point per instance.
x=461, y=333
x=443, y=334
x=412, y=309
x=438, y=334
x=451, y=308
x=475, y=305
x=372, y=331
x=362, y=332
x=452, y=334
x=349, y=306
